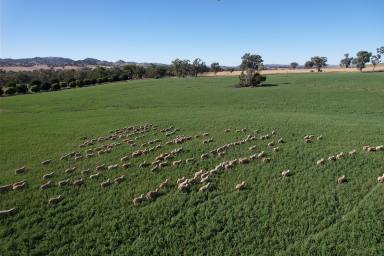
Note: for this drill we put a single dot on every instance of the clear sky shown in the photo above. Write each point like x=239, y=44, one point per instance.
x=281, y=31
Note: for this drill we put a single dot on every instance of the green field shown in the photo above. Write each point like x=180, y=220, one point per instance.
x=307, y=213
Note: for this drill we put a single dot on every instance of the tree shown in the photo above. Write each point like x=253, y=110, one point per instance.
x=250, y=64
x=362, y=57
x=380, y=51
x=46, y=86
x=375, y=60
x=21, y=88
x=347, y=61
x=308, y=64
x=215, y=67
x=319, y=62
x=55, y=87
x=1, y=91
x=10, y=91
x=181, y=68
x=294, y=65
x=198, y=66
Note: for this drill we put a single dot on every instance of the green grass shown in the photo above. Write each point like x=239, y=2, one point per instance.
x=305, y=214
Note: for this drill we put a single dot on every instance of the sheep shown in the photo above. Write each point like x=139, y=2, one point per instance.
x=137, y=153
x=331, y=158
x=180, y=180
x=8, y=212
x=48, y=175
x=253, y=157
x=113, y=167
x=380, y=179
x=276, y=149
x=244, y=129
x=205, y=134
x=63, y=183
x=152, y=195
x=89, y=155
x=46, y=185
x=70, y=170
x=119, y=179
x=190, y=160
x=138, y=200
x=126, y=165
x=273, y=132
x=204, y=156
x=78, y=158
x=78, y=182
x=320, y=137
x=6, y=188
x=271, y=144
x=240, y=186
x=205, y=187
x=184, y=186
x=198, y=173
x=86, y=172
x=244, y=160
x=320, y=162
x=380, y=148
x=227, y=130
x=144, y=164
x=371, y=149
x=281, y=140
x=55, y=200
x=106, y=183
x=177, y=162
x=286, y=173
x=342, y=179
x=252, y=148
x=94, y=176
x=220, y=154
x=266, y=159
x=340, y=155
x=45, y=162
x=352, y=152
x=19, y=185
x=20, y=170
x=164, y=184
x=204, y=179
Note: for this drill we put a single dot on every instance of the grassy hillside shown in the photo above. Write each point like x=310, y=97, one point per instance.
x=307, y=213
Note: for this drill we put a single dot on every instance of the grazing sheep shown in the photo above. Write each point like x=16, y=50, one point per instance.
x=8, y=212
x=205, y=187
x=63, y=183
x=106, y=183
x=48, y=175
x=381, y=178
x=164, y=184
x=331, y=158
x=342, y=179
x=320, y=137
x=180, y=180
x=138, y=200
x=271, y=144
x=205, y=134
x=45, y=162
x=20, y=170
x=220, y=154
x=198, y=173
x=184, y=186
x=240, y=186
x=46, y=185
x=86, y=172
x=144, y=164
x=19, y=185
x=126, y=165
x=78, y=182
x=380, y=148
x=94, y=176
x=6, y=188
x=320, y=162
x=286, y=173
x=281, y=140
x=152, y=195
x=204, y=156
x=78, y=158
x=70, y=170
x=266, y=159
x=253, y=157
x=124, y=158
x=55, y=200
x=175, y=163
x=340, y=155
x=276, y=149
x=113, y=167
x=252, y=147
x=352, y=152
x=244, y=160
x=227, y=130
x=89, y=155
x=204, y=179
x=273, y=132
x=190, y=160
x=261, y=154
x=119, y=179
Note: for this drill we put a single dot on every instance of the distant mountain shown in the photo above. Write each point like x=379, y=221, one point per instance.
x=59, y=62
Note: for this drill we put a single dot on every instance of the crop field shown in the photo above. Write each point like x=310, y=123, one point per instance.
x=246, y=207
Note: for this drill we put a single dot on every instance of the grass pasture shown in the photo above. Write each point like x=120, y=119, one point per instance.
x=307, y=213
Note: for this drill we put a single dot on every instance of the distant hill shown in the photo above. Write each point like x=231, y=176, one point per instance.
x=59, y=61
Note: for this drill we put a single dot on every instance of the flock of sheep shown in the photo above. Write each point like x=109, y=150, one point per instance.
x=133, y=134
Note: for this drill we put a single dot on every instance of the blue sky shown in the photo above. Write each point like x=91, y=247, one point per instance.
x=162, y=30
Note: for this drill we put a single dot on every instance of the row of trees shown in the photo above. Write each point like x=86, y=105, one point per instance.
x=183, y=68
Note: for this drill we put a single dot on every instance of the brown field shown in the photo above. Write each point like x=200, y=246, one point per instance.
x=296, y=71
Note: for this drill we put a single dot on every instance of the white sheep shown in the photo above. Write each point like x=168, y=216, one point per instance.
x=8, y=212
x=205, y=187
x=341, y=179
x=240, y=186
x=48, y=175
x=55, y=200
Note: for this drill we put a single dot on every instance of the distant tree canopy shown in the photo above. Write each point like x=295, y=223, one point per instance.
x=319, y=62
x=215, y=67
x=308, y=64
x=250, y=65
x=346, y=61
x=294, y=65
x=362, y=57
x=198, y=66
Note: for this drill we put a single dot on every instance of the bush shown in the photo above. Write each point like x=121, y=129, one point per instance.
x=124, y=77
x=87, y=81
x=1, y=91
x=79, y=83
x=100, y=80
x=55, y=87
x=10, y=91
x=35, y=82
x=254, y=80
x=21, y=88
x=63, y=84
x=11, y=83
x=72, y=84
x=45, y=86
x=35, y=88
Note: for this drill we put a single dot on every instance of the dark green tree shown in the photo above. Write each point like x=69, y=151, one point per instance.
x=250, y=65
x=346, y=61
x=362, y=57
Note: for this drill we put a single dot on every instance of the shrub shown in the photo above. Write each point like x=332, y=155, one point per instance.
x=35, y=88
x=55, y=87
x=46, y=86
x=72, y=84
x=21, y=88
x=79, y=83
x=1, y=91
x=255, y=79
x=10, y=91
x=35, y=82
x=124, y=77
x=63, y=84
x=11, y=83
x=87, y=81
